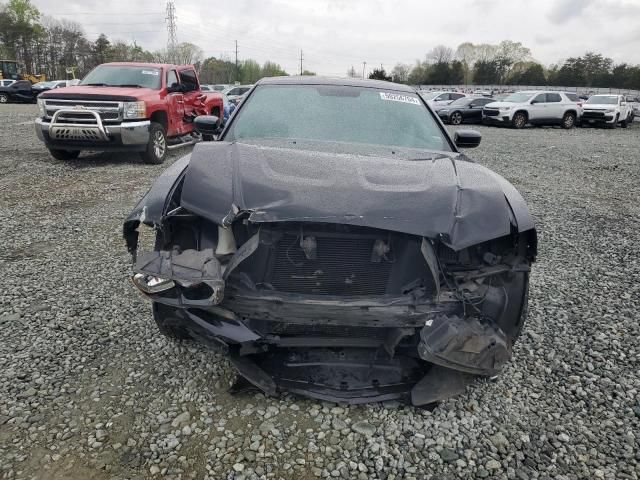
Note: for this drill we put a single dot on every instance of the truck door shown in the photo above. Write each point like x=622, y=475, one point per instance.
x=192, y=94
x=175, y=101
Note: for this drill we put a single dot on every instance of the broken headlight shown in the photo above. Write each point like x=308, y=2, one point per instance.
x=151, y=284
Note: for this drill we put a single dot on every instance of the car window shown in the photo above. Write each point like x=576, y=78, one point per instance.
x=234, y=91
x=172, y=78
x=189, y=80
x=540, y=98
x=553, y=98
x=444, y=96
x=480, y=102
x=572, y=96
x=244, y=90
x=455, y=96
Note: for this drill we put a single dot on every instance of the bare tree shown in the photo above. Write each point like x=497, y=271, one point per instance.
x=440, y=54
x=400, y=73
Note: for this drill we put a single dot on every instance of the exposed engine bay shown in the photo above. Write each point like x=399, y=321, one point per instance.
x=334, y=307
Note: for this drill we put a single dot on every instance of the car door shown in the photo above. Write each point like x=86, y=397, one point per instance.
x=537, y=108
x=175, y=102
x=555, y=107
x=22, y=91
x=474, y=112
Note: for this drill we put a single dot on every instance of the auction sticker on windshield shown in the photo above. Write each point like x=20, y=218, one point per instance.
x=150, y=72
x=395, y=97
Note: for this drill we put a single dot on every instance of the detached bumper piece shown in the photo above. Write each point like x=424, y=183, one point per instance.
x=191, y=269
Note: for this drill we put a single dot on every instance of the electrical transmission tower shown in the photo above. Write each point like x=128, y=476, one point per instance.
x=172, y=40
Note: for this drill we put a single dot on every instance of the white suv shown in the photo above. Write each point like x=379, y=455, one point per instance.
x=534, y=107
x=609, y=110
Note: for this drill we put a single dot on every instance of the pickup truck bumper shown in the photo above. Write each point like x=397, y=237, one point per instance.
x=129, y=136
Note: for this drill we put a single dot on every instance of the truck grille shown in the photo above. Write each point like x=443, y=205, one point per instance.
x=108, y=111
x=592, y=114
x=342, y=266
x=491, y=112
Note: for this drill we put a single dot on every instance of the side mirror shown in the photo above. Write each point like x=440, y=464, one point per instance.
x=174, y=88
x=207, y=124
x=467, y=138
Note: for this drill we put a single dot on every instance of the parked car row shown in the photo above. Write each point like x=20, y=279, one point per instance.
x=534, y=107
x=23, y=91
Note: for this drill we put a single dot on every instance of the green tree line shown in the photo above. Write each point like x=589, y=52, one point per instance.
x=50, y=46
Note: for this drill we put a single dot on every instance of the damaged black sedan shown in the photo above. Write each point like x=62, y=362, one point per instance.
x=334, y=243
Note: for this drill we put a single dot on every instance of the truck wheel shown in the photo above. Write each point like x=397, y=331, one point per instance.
x=156, y=150
x=568, y=121
x=169, y=321
x=625, y=123
x=519, y=120
x=64, y=154
x=614, y=125
x=4, y=98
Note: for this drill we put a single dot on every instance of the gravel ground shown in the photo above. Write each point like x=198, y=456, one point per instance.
x=89, y=390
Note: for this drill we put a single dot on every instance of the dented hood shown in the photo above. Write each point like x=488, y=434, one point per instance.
x=448, y=196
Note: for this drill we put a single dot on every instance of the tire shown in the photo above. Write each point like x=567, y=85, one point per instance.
x=455, y=118
x=568, y=121
x=64, y=154
x=4, y=98
x=625, y=123
x=614, y=125
x=156, y=151
x=169, y=321
x=519, y=120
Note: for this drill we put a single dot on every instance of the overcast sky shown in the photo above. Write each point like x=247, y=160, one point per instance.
x=336, y=34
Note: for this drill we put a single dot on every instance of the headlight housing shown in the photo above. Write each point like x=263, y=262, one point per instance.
x=506, y=109
x=609, y=110
x=135, y=110
x=41, y=107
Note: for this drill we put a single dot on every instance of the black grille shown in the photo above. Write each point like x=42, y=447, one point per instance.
x=588, y=114
x=342, y=266
x=490, y=112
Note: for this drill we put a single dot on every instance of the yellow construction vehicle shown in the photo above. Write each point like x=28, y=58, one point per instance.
x=12, y=70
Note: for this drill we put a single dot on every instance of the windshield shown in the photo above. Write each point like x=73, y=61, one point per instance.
x=45, y=84
x=124, y=76
x=603, y=100
x=518, y=97
x=334, y=113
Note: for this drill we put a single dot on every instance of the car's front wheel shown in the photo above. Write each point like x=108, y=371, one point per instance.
x=455, y=118
x=64, y=154
x=156, y=150
x=170, y=321
x=568, y=121
x=4, y=98
x=519, y=120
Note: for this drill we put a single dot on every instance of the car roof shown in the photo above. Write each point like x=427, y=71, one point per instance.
x=345, y=82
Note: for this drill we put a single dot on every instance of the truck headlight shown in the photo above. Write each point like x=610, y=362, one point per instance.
x=135, y=110
x=41, y=107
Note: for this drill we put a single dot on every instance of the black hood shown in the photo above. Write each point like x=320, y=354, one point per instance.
x=449, y=197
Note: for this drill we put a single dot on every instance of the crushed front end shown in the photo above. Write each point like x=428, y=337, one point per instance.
x=332, y=310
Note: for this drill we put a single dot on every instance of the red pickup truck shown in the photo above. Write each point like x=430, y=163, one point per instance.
x=143, y=107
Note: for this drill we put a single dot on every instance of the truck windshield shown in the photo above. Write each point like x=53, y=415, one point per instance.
x=603, y=100
x=335, y=113
x=124, y=76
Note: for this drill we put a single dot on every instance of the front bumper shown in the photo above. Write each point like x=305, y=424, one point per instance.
x=496, y=120
x=127, y=136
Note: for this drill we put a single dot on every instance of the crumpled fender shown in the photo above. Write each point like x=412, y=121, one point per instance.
x=151, y=208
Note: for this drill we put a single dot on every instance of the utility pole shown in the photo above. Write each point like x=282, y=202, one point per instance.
x=364, y=64
x=172, y=39
x=237, y=67
x=301, y=62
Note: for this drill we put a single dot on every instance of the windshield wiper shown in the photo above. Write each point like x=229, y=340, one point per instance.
x=94, y=85
x=132, y=85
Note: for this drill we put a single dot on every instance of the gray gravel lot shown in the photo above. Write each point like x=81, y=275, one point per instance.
x=90, y=390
